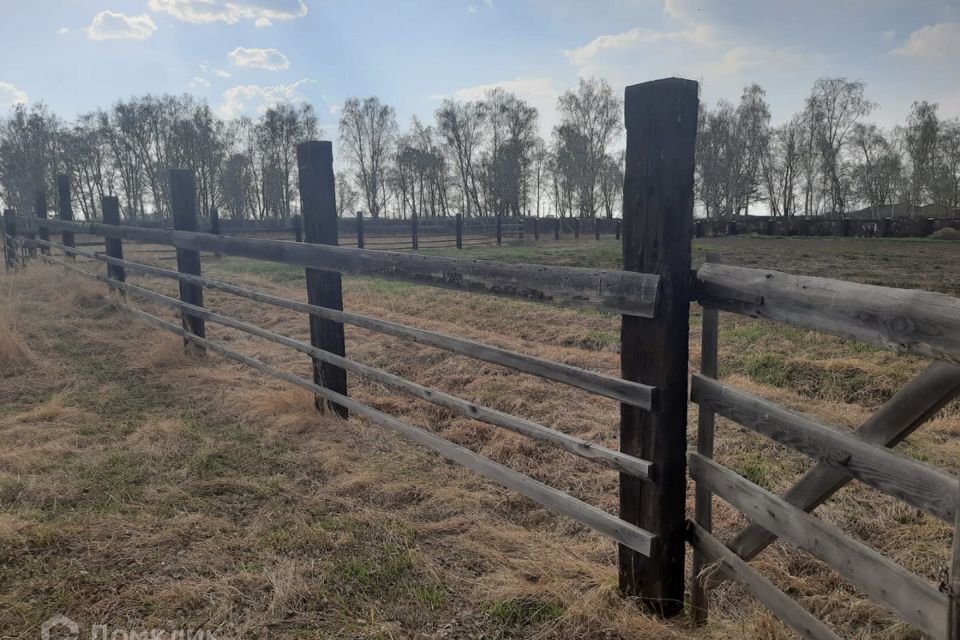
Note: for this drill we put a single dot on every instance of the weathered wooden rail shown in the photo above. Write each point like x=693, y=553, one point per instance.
x=912, y=322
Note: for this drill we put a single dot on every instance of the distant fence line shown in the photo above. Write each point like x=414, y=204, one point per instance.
x=841, y=227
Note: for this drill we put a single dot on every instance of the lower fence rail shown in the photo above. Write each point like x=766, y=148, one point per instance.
x=597, y=519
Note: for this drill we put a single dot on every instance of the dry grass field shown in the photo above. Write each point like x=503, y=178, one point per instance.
x=144, y=488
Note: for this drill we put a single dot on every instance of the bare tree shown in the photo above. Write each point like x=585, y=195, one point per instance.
x=368, y=132
x=460, y=126
x=835, y=106
x=591, y=121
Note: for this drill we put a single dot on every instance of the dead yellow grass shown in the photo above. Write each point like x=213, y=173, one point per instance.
x=275, y=518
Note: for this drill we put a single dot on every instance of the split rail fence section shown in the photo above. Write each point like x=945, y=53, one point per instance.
x=915, y=322
x=652, y=295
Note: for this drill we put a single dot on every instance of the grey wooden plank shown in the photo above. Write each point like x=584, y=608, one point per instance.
x=612, y=291
x=905, y=320
x=913, y=599
x=785, y=608
x=900, y=416
x=633, y=393
x=904, y=478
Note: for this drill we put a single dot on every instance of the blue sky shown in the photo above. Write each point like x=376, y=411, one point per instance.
x=238, y=55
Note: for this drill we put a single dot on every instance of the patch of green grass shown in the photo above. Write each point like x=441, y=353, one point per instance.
x=520, y=615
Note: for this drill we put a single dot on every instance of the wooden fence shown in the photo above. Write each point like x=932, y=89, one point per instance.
x=839, y=227
x=652, y=294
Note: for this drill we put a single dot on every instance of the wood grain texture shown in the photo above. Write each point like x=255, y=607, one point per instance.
x=913, y=599
x=661, y=122
x=897, y=475
x=612, y=291
x=905, y=320
x=183, y=204
x=900, y=416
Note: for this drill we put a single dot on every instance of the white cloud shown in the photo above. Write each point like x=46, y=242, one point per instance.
x=63, y=31
x=231, y=11
x=540, y=92
x=637, y=36
x=933, y=41
x=269, y=59
x=199, y=81
x=110, y=25
x=472, y=8
x=222, y=73
x=10, y=95
x=251, y=98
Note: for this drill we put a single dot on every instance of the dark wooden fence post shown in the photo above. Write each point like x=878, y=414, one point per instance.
x=887, y=229
x=536, y=229
x=298, y=228
x=65, y=209
x=214, y=225
x=459, y=228
x=9, y=235
x=618, y=229
x=661, y=123
x=114, y=246
x=931, y=226
x=360, y=241
x=415, y=230
x=40, y=209
x=499, y=229
x=556, y=228
x=596, y=228
x=183, y=204
x=324, y=288
x=771, y=231
x=576, y=228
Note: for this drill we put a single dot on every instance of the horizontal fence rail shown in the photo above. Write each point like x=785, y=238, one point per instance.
x=905, y=320
x=904, y=478
x=620, y=292
x=613, y=527
x=915, y=600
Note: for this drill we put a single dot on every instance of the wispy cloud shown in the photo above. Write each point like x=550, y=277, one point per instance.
x=111, y=25
x=699, y=35
x=63, y=31
x=933, y=41
x=269, y=59
x=262, y=12
x=11, y=95
x=252, y=98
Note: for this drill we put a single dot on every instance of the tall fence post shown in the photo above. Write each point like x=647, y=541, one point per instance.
x=499, y=229
x=360, y=241
x=415, y=230
x=618, y=229
x=703, y=498
x=596, y=228
x=576, y=228
x=556, y=228
x=214, y=224
x=536, y=229
x=661, y=123
x=114, y=246
x=459, y=231
x=953, y=584
x=324, y=288
x=65, y=209
x=9, y=243
x=40, y=210
x=183, y=204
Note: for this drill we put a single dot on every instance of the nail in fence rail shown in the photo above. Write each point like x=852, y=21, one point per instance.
x=40, y=211
x=661, y=122
x=183, y=204
x=324, y=288
x=65, y=206
x=114, y=246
